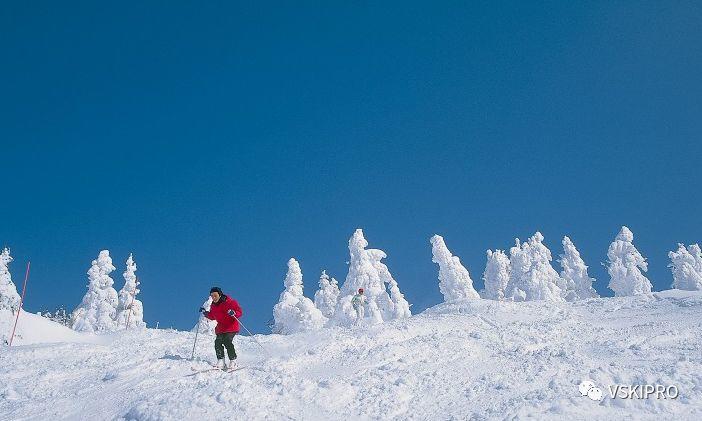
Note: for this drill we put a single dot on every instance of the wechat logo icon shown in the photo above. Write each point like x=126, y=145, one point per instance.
x=588, y=388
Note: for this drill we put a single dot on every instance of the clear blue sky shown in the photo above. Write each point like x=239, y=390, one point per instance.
x=215, y=140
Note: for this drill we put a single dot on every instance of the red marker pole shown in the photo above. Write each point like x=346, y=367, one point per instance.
x=24, y=288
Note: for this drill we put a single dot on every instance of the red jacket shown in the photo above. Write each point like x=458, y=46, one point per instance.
x=218, y=311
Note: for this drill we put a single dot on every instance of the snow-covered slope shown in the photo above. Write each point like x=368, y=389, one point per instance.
x=469, y=360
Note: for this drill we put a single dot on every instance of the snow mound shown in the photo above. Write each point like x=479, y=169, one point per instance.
x=34, y=329
x=470, y=359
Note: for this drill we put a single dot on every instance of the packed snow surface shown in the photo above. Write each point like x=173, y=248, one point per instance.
x=477, y=359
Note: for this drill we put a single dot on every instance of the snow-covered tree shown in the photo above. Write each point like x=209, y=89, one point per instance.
x=9, y=298
x=325, y=298
x=578, y=282
x=295, y=312
x=625, y=266
x=496, y=275
x=130, y=311
x=368, y=272
x=398, y=307
x=59, y=315
x=532, y=277
x=454, y=279
x=686, y=264
x=97, y=311
x=205, y=325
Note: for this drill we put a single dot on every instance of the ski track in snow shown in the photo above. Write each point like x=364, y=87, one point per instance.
x=466, y=360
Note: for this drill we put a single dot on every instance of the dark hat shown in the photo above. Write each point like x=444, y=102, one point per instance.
x=217, y=290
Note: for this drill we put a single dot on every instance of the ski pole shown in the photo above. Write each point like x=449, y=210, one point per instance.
x=197, y=330
x=24, y=288
x=252, y=336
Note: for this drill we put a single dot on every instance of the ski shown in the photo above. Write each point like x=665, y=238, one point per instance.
x=205, y=370
x=202, y=370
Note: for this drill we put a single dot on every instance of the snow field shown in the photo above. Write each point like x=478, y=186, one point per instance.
x=477, y=359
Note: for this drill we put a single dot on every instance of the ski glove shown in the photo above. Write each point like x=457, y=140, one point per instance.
x=230, y=312
x=202, y=309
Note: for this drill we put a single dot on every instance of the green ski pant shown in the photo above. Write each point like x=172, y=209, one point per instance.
x=224, y=340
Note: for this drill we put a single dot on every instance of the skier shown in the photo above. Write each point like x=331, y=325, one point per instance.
x=359, y=302
x=226, y=312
